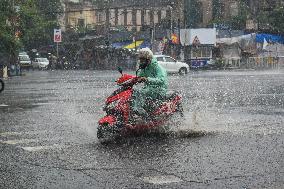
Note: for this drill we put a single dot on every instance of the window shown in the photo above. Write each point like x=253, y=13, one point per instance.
x=99, y=17
x=159, y=16
x=234, y=9
x=81, y=23
x=161, y=59
x=168, y=59
x=201, y=52
x=134, y=17
x=116, y=17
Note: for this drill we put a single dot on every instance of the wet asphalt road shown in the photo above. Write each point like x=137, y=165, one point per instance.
x=232, y=135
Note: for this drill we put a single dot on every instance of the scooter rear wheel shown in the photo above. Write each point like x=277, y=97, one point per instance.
x=1, y=85
x=180, y=109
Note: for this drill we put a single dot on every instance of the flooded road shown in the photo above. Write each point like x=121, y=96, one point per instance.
x=232, y=135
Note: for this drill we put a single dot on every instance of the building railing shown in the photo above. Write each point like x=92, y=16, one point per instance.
x=262, y=62
x=251, y=62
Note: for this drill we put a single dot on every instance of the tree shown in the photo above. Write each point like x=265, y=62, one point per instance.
x=27, y=24
x=38, y=18
x=217, y=9
x=277, y=17
x=50, y=9
x=237, y=22
x=101, y=4
x=9, y=44
x=193, y=13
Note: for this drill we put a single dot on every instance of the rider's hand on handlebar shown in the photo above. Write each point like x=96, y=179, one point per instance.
x=141, y=79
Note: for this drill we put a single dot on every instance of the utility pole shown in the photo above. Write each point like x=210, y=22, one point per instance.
x=171, y=26
x=107, y=28
x=171, y=18
x=152, y=21
x=13, y=25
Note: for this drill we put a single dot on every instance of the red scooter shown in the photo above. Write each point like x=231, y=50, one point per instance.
x=118, y=110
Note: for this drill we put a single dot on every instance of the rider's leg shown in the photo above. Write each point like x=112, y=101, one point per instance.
x=137, y=106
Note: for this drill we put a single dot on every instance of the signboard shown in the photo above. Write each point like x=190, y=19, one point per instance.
x=198, y=63
x=196, y=41
x=57, y=36
x=204, y=36
x=195, y=37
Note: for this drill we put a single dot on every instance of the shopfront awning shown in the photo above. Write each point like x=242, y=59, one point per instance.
x=134, y=45
x=131, y=45
x=145, y=44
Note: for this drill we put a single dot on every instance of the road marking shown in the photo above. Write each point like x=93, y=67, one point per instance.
x=5, y=134
x=12, y=133
x=23, y=141
x=162, y=179
x=4, y=105
x=42, y=148
x=42, y=103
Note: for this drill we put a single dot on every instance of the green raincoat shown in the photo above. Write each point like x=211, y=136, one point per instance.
x=154, y=90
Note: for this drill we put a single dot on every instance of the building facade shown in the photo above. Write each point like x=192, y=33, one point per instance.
x=135, y=15
x=79, y=14
x=208, y=10
x=130, y=15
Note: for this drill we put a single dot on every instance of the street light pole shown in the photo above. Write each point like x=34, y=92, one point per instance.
x=171, y=18
x=171, y=27
x=13, y=24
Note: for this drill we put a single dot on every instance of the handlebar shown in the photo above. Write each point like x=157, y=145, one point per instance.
x=133, y=81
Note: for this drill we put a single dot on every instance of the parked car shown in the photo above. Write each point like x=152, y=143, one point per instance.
x=40, y=63
x=23, y=53
x=25, y=61
x=172, y=65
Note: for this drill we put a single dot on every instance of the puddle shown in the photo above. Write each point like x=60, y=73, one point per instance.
x=162, y=179
x=190, y=133
x=42, y=103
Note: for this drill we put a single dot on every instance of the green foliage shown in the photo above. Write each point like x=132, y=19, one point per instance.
x=193, y=13
x=34, y=19
x=38, y=19
x=220, y=63
x=36, y=27
x=50, y=9
x=8, y=43
x=101, y=3
x=217, y=9
x=235, y=22
x=277, y=20
x=268, y=20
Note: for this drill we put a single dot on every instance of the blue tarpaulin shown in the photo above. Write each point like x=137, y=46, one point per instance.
x=145, y=44
x=269, y=38
x=118, y=45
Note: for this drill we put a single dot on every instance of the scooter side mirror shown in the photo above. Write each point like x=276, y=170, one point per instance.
x=120, y=70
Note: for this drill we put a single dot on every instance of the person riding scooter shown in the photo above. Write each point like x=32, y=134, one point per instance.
x=145, y=100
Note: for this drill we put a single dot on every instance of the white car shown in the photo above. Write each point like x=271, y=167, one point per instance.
x=40, y=63
x=172, y=65
x=25, y=60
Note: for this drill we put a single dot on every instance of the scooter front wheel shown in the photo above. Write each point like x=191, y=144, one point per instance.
x=107, y=133
x=1, y=85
